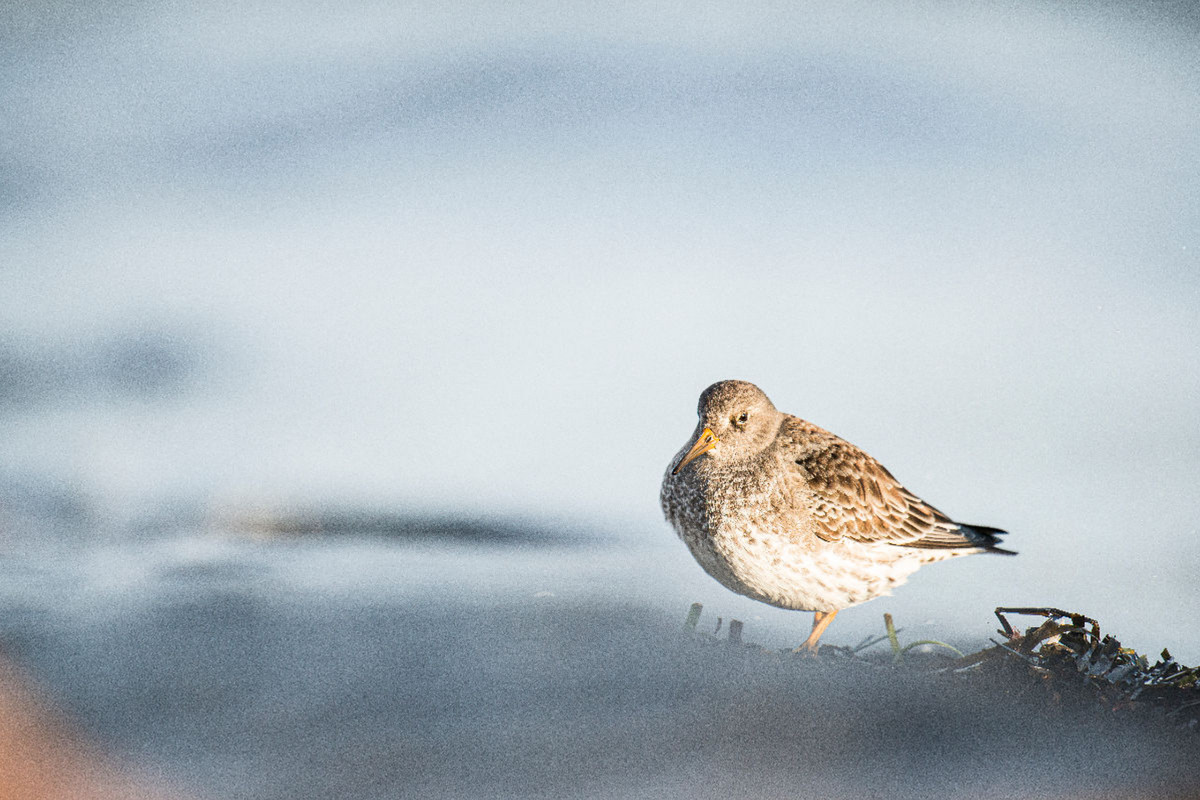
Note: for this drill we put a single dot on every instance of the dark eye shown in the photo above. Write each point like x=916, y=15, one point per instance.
x=741, y=418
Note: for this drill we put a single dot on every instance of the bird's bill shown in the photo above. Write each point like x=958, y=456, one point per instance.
x=707, y=441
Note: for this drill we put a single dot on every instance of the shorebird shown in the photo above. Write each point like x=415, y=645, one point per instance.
x=782, y=511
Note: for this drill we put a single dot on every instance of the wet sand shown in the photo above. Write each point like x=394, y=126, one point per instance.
x=229, y=681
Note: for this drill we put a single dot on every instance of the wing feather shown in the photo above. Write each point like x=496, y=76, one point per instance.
x=852, y=496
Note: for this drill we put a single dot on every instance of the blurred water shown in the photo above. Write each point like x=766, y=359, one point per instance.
x=481, y=261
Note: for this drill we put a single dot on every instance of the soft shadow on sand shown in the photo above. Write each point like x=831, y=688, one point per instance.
x=259, y=694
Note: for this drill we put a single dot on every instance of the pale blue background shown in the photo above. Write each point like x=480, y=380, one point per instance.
x=481, y=259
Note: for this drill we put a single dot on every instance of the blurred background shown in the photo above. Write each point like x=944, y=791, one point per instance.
x=464, y=269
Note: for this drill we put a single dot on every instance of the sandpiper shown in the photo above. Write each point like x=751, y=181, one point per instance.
x=785, y=512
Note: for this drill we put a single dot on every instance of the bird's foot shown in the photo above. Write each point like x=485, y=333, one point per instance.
x=807, y=651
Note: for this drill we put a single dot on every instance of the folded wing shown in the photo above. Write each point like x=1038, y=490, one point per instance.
x=852, y=496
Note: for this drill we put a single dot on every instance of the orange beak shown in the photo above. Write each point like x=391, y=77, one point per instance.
x=707, y=441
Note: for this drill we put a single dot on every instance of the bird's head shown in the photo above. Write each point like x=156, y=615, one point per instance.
x=736, y=422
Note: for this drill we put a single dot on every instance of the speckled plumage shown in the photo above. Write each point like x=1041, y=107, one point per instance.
x=782, y=511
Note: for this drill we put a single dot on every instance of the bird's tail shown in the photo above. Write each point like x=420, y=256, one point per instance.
x=987, y=538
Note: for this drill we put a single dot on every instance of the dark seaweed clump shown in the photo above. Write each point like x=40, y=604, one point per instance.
x=1068, y=659
x=1064, y=662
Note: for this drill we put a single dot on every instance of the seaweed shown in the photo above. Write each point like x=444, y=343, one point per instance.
x=1069, y=656
x=1065, y=660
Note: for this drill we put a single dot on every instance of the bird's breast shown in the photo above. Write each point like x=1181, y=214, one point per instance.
x=705, y=504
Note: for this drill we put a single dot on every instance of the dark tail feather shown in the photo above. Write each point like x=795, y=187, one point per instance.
x=987, y=538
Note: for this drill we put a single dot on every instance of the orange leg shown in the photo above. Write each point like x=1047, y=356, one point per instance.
x=821, y=620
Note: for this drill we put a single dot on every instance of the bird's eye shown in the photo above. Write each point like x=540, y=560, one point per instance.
x=741, y=419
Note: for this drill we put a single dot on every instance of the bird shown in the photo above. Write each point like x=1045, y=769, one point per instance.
x=784, y=512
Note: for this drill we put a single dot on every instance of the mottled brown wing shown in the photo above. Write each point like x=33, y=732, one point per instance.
x=854, y=497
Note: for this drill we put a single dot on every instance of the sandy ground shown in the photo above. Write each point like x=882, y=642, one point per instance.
x=228, y=680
